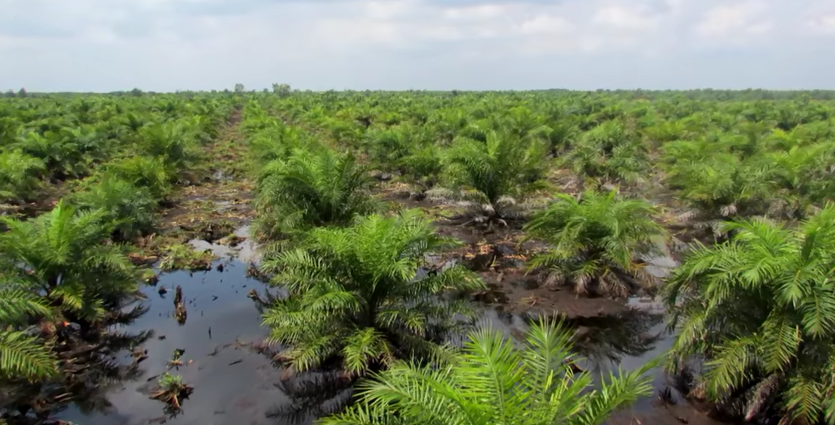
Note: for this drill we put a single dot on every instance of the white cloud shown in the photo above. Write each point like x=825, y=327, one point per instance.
x=546, y=24
x=177, y=44
x=825, y=24
x=624, y=18
x=735, y=20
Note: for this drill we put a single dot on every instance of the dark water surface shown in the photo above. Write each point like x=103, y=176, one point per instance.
x=232, y=384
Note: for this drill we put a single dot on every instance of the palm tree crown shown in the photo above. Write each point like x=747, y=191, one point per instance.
x=499, y=166
x=358, y=293
x=67, y=254
x=596, y=241
x=311, y=188
x=760, y=309
x=495, y=381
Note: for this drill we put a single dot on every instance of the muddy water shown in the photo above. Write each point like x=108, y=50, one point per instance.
x=232, y=384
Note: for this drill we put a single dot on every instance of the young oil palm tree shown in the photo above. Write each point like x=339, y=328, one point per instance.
x=128, y=207
x=174, y=142
x=496, y=381
x=759, y=311
x=360, y=294
x=143, y=171
x=23, y=355
x=598, y=241
x=492, y=173
x=607, y=154
x=722, y=187
x=19, y=175
x=315, y=187
x=67, y=253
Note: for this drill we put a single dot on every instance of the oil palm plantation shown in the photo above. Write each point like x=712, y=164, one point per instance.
x=495, y=173
x=597, y=242
x=67, y=254
x=496, y=381
x=361, y=295
x=760, y=311
x=312, y=187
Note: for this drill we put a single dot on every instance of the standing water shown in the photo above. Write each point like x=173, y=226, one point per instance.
x=232, y=383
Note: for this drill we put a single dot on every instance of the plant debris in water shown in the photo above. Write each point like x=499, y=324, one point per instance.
x=171, y=390
x=185, y=257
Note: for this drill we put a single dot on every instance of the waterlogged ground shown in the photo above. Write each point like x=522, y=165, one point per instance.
x=236, y=383
x=233, y=384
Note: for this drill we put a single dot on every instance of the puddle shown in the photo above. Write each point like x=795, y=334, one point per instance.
x=231, y=384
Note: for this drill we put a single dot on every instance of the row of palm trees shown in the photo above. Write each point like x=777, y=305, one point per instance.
x=762, y=354
x=361, y=297
x=65, y=275
x=754, y=311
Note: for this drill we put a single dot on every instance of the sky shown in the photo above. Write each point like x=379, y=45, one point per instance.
x=168, y=45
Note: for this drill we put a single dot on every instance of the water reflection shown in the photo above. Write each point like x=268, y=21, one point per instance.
x=312, y=395
x=92, y=368
x=233, y=383
x=603, y=340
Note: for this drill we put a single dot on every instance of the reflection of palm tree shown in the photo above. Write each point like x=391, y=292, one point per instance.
x=613, y=337
x=88, y=370
x=608, y=338
x=312, y=395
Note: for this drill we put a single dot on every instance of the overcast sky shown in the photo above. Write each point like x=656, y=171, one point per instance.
x=104, y=45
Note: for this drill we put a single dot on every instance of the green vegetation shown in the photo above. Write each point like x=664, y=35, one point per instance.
x=576, y=188
x=308, y=189
x=354, y=294
x=59, y=254
x=760, y=309
x=597, y=241
x=22, y=354
x=493, y=380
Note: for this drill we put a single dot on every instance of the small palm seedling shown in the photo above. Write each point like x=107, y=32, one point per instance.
x=171, y=391
x=607, y=155
x=129, y=208
x=597, y=241
x=67, y=254
x=493, y=176
x=310, y=188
